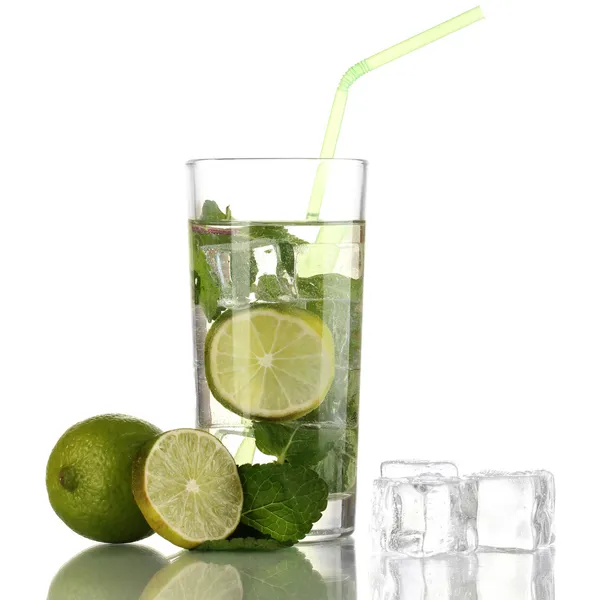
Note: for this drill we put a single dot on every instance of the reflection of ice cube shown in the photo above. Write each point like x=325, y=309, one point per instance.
x=238, y=267
x=518, y=576
x=439, y=578
x=424, y=516
x=396, y=469
x=483, y=576
x=317, y=259
x=516, y=510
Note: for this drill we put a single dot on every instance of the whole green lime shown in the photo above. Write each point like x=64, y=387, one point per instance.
x=89, y=474
x=107, y=573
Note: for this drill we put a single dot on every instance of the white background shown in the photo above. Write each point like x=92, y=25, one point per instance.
x=482, y=310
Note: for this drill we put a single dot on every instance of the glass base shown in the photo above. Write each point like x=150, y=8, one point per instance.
x=337, y=520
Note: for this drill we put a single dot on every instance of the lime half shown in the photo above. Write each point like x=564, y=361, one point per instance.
x=269, y=362
x=187, y=486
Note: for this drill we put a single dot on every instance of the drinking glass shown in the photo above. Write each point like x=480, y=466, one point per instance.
x=277, y=311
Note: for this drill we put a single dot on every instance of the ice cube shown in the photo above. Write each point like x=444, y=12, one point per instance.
x=437, y=578
x=515, y=510
x=246, y=268
x=518, y=576
x=424, y=516
x=397, y=469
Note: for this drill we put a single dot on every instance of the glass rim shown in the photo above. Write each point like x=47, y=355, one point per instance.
x=194, y=161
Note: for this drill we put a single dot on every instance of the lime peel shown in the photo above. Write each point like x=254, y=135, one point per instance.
x=187, y=486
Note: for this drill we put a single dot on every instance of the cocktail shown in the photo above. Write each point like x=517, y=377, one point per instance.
x=277, y=251
x=277, y=316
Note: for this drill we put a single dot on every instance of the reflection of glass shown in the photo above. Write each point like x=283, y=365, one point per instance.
x=281, y=575
x=336, y=563
x=107, y=573
x=483, y=576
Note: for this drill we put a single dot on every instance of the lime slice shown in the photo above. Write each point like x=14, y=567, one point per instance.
x=190, y=577
x=187, y=486
x=269, y=362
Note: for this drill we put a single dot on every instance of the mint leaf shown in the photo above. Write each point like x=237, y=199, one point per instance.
x=244, y=538
x=206, y=289
x=268, y=288
x=282, y=500
x=285, y=240
x=283, y=575
x=338, y=468
x=295, y=442
x=274, y=288
x=214, y=250
x=242, y=543
x=211, y=212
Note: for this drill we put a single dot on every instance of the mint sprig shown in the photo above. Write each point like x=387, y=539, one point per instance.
x=249, y=544
x=282, y=500
x=295, y=442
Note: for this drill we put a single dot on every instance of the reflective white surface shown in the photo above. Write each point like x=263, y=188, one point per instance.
x=485, y=576
x=330, y=571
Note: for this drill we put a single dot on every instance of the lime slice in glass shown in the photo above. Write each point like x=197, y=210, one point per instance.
x=269, y=362
x=187, y=486
x=190, y=577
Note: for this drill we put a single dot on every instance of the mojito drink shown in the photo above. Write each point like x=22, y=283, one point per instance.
x=277, y=325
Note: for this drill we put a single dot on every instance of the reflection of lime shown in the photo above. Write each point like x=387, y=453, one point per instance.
x=187, y=486
x=107, y=573
x=190, y=577
x=88, y=478
x=269, y=362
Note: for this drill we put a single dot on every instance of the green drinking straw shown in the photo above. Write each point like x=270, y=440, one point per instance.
x=332, y=133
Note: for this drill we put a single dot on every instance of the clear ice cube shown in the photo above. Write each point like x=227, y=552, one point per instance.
x=437, y=578
x=515, y=510
x=397, y=469
x=247, y=268
x=517, y=576
x=424, y=516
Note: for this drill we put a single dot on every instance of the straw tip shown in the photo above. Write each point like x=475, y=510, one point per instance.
x=478, y=12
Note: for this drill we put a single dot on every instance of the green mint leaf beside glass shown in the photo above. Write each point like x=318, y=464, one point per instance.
x=282, y=500
x=249, y=544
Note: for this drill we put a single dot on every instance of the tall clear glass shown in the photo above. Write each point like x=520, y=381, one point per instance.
x=277, y=311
